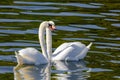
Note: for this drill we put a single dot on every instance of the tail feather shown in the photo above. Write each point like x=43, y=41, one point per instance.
x=19, y=58
x=84, y=52
x=89, y=45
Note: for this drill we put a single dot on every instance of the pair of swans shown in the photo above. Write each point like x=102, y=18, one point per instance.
x=72, y=51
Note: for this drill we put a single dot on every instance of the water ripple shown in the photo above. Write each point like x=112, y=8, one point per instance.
x=85, y=39
x=96, y=5
x=107, y=38
x=9, y=13
x=110, y=14
x=3, y=35
x=36, y=3
x=9, y=50
x=99, y=52
x=81, y=5
x=6, y=69
x=116, y=24
x=10, y=27
x=89, y=26
x=108, y=19
x=66, y=28
x=107, y=47
x=18, y=20
x=12, y=31
x=18, y=44
x=7, y=58
x=30, y=7
x=117, y=77
x=99, y=70
x=114, y=10
x=115, y=61
x=63, y=14
x=108, y=44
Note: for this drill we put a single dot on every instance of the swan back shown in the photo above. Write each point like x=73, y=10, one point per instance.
x=31, y=56
x=68, y=51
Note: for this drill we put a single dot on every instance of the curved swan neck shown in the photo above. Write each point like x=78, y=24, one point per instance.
x=41, y=38
x=49, y=42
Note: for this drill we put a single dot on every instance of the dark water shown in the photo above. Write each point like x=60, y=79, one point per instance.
x=76, y=20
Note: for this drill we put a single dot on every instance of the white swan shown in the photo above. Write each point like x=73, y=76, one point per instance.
x=72, y=51
x=31, y=55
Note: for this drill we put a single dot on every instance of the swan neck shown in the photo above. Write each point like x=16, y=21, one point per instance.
x=42, y=40
x=49, y=42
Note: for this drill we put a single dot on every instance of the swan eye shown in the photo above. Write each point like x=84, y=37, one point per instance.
x=49, y=25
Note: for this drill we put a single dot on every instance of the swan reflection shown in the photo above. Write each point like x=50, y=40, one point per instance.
x=31, y=72
x=71, y=70
x=61, y=70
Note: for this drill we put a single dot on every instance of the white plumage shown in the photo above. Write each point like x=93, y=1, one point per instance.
x=72, y=51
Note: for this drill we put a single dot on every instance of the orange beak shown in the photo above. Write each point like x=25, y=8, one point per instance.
x=52, y=28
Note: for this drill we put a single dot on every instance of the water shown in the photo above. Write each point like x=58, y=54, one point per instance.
x=84, y=21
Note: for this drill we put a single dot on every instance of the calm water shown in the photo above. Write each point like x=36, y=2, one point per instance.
x=76, y=20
